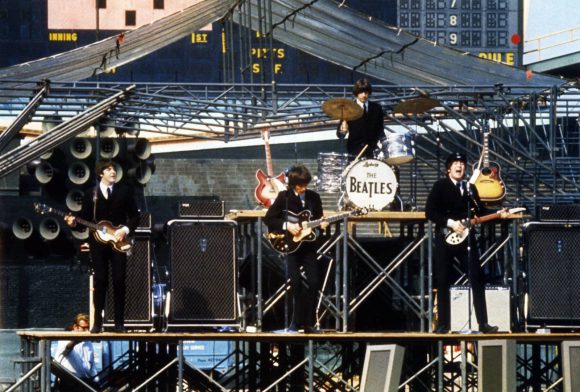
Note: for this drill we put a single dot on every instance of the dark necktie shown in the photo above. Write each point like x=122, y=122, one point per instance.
x=459, y=187
x=109, y=193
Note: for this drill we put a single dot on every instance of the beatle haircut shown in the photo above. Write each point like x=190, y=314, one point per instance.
x=299, y=175
x=361, y=86
x=102, y=164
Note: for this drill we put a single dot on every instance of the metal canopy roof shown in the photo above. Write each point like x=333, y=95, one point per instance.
x=335, y=33
x=321, y=28
x=99, y=57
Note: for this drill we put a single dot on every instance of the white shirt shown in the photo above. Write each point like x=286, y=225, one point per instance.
x=80, y=360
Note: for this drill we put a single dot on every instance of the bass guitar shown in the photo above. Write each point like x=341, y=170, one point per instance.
x=285, y=242
x=103, y=231
x=453, y=238
x=268, y=186
x=487, y=179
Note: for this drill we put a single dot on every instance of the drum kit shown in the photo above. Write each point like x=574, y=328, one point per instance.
x=365, y=183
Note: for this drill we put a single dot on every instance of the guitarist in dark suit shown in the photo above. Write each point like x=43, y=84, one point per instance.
x=366, y=130
x=296, y=199
x=447, y=204
x=114, y=203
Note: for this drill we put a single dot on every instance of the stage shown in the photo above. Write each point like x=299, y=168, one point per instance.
x=266, y=361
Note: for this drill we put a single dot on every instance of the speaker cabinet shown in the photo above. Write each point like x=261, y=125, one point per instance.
x=497, y=299
x=571, y=365
x=496, y=365
x=552, y=259
x=138, y=281
x=382, y=368
x=203, y=273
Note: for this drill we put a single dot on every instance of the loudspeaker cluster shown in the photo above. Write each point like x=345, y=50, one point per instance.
x=62, y=176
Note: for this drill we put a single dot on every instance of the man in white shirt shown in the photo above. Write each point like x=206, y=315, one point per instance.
x=78, y=357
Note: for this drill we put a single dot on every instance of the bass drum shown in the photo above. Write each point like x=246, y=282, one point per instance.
x=330, y=168
x=396, y=148
x=369, y=184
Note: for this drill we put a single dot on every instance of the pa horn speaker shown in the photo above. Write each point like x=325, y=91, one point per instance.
x=74, y=200
x=49, y=122
x=22, y=228
x=140, y=147
x=79, y=173
x=49, y=229
x=141, y=173
x=106, y=128
x=80, y=233
x=43, y=171
x=81, y=148
x=109, y=148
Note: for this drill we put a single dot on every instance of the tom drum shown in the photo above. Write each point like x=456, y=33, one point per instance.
x=396, y=148
x=331, y=165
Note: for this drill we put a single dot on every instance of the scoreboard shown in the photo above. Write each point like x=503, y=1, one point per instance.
x=486, y=28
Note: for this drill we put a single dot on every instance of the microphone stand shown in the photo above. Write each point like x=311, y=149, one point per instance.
x=287, y=239
x=470, y=199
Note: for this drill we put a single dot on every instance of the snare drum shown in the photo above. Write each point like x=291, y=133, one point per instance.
x=330, y=168
x=370, y=184
x=396, y=148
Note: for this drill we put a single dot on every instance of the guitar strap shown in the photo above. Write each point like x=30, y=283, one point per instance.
x=95, y=198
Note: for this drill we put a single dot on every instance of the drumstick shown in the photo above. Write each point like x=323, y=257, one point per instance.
x=361, y=152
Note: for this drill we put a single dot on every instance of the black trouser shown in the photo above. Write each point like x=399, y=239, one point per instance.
x=443, y=257
x=103, y=256
x=304, y=298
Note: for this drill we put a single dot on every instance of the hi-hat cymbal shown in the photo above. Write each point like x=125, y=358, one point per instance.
x=416, y=105
x=342, y=109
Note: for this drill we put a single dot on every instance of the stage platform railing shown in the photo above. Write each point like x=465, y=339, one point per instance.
x=297, y=361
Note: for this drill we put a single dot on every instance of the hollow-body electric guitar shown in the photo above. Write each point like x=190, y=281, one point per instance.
x=103, y=231
x=268, y=186
x=285, y=242
x=453, y=238
x=487, y=179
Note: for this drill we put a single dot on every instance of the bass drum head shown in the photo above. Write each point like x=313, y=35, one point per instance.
x=369, y=184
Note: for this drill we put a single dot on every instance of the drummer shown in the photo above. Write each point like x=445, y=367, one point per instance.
x=366, y=130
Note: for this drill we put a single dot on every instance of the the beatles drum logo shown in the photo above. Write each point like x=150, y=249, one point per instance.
x=370, y=184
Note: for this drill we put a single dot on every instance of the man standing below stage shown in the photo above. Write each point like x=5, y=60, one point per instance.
x=78, y=357
x=366, y=130
x=112, y=202
x=448, y=204
x=295, y=200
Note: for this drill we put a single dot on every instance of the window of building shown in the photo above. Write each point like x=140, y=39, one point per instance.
x=130, y=18
x=102, y=4
x=158, y=4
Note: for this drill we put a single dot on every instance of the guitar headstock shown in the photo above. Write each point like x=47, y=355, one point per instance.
x=41, y=208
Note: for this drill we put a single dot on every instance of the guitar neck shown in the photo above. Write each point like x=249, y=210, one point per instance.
x=486, y=149
x=84, y=222
x=330, y=219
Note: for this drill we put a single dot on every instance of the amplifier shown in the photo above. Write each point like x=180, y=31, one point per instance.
x=498, y=308
x=201, y=209
x=559, y=213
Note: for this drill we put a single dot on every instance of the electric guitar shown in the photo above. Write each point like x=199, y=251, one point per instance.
x=453, y=238
x=268, y=186
x=487, y=180
x=104, y=231
x=285, y=242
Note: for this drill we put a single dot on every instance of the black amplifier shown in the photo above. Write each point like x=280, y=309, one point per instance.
x=559, y=213
x=201, y=209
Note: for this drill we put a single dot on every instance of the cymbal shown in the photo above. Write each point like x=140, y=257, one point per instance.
x=415, y=105
x=342, y=109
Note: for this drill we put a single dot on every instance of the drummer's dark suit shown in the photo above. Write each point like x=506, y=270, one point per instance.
x=366, y=130
x=446, y=202
x=304, y=298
